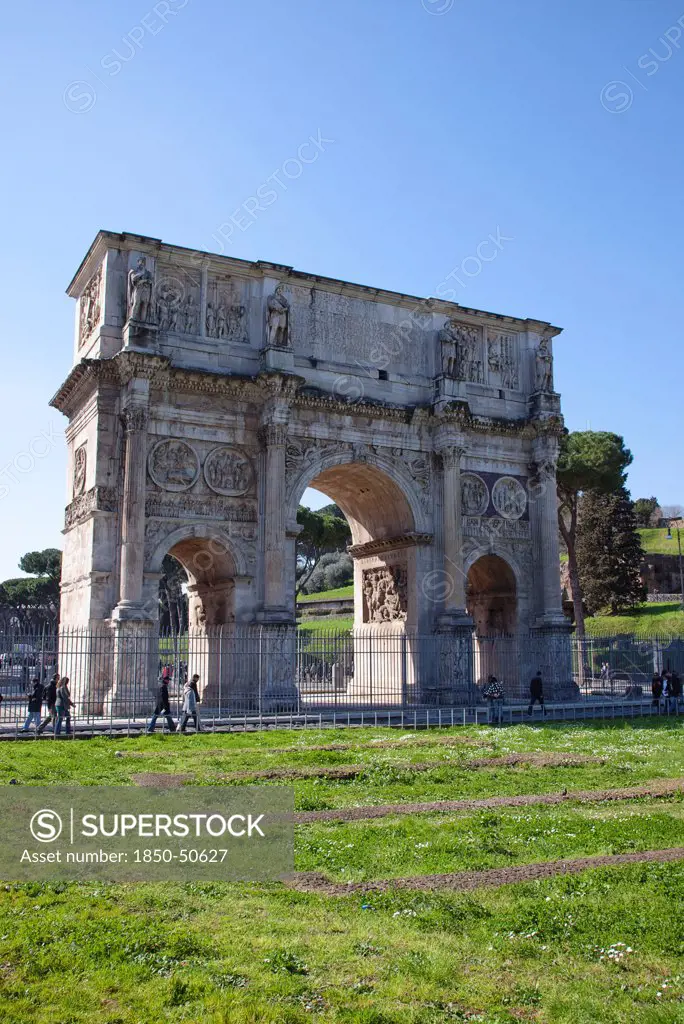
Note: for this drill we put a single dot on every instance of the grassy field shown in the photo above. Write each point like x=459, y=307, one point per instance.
x=327, y=624
x=654, y=542
x=327, y=595
x=646, y=620
x=605, y=945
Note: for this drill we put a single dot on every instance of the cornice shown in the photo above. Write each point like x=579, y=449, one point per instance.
x=327, y=403
x=375, y=547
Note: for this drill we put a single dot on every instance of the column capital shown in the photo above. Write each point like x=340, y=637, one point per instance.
x=451, y=457
x=273, y=434
x=446, y=439
x=135, y=418
x=545, y=450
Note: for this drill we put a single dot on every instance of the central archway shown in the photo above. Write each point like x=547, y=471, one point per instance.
x=389, y=556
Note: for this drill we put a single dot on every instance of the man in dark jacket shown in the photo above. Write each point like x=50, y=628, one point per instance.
x=162, y=706
x=536, y=692
x=35, y=703
x=50, y=698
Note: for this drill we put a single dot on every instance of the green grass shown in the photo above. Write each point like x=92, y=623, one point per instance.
x=545, y=951
x=655, y=542
x=327, y=624
x=644, y=621
x=327, y=595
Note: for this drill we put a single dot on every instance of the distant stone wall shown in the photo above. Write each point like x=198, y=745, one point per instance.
x=333, y=606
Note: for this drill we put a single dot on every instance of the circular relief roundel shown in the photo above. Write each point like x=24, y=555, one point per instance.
x=474, y=495
x=509, y=497
x=228, y=471
x=173, y=465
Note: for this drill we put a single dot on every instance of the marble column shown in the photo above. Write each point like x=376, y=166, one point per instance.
x=276, y=609
x=453, y=674
x=133, y=514
x=454, y=612
x=544, y=504
x=135, y=649
x=551, y=651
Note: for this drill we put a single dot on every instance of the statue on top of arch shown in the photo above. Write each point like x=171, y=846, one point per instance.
x=278, y=320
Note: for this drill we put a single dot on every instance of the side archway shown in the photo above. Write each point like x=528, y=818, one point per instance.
x=491, y=596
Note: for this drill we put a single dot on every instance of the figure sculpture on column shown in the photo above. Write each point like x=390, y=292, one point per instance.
x=448, y=339
x=544, y=368
x=139, y=292
x=278, y=319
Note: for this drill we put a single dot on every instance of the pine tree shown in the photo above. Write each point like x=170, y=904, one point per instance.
x=608, y=551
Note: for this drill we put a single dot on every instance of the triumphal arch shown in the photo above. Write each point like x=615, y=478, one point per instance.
x=207, y=393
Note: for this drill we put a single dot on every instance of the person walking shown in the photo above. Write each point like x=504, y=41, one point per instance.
x=666, y=694
x=494, y=695
x=656, y=689
x=162, y=706
x=63, y=706
x=536, y=692
x=50, y=697
x=675, y=689
x=35, y=703
x=190, y=701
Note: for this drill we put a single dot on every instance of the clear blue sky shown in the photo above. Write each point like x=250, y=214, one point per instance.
x=447, y=127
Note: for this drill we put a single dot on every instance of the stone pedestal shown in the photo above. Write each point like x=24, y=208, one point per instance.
x=453, y=672
x=135, y=656
x=277, y=661
x=142, y=337
x=278, y=359
x=554, y=660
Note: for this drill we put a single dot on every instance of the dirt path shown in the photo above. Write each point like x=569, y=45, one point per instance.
x=463, y=881
x=351, y=771
x=659, y=788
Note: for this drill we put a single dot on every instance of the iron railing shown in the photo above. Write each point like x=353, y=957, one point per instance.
x=257, y=671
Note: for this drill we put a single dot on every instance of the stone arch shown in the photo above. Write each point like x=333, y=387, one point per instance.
x=492, y=594
x=345, y=473
x=194, y=536
x=391, y=530
x=218, y=572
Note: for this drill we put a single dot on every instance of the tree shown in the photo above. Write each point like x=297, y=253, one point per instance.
x=33, y=601
x=333, y=570
x=644, y=510
x=323, y=532
x=588, y=460
x=672, y=511
x=608, y=551
x=173, y=601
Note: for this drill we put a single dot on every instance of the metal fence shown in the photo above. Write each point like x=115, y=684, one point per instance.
x=252, y=672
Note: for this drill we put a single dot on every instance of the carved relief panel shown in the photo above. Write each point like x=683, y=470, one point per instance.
x=177, y=299
x=503, y=360
x=509, y=497
x=226, y=314
x=462, y=351
x=228, y=471
x=173, y=465
x=385, y=591
x=90, y=307
x=474, y=495
x=80, y=463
